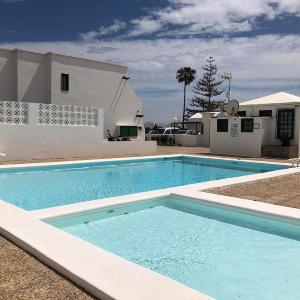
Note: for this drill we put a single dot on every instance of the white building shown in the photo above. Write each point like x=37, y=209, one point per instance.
x=267, y=126
x=55, y=80
x=195, y=122
x=200, y=122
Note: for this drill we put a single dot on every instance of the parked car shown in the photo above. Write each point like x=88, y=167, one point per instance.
x=187, y=132
x=182, y=132
x=171, y=130
x=191, y=132
x=156, y=131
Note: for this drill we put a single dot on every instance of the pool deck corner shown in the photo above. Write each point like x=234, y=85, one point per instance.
x=88, y=265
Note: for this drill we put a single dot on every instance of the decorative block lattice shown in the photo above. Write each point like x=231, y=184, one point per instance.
x=14, y=113
x=68, y=115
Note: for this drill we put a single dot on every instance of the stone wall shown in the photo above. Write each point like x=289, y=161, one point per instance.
x=279, y=151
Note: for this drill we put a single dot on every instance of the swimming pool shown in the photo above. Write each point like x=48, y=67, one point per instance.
x=225, y=253
x=39, y=187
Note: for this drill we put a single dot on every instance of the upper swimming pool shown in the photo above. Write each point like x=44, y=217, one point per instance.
x=38, y=187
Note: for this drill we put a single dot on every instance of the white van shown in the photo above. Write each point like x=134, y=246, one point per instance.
x=171, y=130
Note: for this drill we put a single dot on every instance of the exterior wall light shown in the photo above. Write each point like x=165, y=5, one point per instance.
x=138, y=114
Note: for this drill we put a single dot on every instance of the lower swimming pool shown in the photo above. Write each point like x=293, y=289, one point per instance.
x=47, y=186
x=224, y=253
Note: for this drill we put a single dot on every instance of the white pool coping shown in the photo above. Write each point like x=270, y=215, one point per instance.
x=67, y=162
x=105, y=274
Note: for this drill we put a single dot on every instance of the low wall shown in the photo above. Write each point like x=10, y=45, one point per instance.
x=279, y=151
x=57, y=131
x=237, y=142
x=180, y=139
x=39, y=142
x=189, y=140
x=66, y=148
x=129, y=148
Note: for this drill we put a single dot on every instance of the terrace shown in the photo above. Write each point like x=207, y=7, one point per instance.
x=30, y=278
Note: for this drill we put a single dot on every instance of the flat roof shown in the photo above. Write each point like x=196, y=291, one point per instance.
x=66, y=55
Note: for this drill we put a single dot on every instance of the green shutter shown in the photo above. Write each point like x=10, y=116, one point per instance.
x=222, y=125
x=123, y=131
x=128, y=131
x=247, y=125
x=265, y=113
x=132, y=131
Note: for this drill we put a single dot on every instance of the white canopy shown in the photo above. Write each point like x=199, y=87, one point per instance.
x=195, y=118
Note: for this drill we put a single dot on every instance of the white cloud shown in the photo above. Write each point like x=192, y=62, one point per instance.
x=260, y=65
x=145, y=25
x=103, y=31
x=193, y=17
x=221, y=16
x=290, y=6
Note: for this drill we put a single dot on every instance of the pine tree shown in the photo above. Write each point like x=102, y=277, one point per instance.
x=206, y=89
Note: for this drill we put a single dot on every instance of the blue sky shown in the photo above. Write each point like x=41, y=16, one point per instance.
x=258, y=41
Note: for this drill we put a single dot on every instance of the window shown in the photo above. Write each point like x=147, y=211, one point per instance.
x=174, y=131
x=265, y=113
x=285, y=123
x=128, y=131
x=247, y=125
x=222, y=125
x=64, y=82
x=242, y=113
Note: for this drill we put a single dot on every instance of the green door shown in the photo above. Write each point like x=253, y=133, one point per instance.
x=285, y=124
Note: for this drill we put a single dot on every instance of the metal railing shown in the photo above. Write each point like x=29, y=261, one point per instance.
x=296, y=162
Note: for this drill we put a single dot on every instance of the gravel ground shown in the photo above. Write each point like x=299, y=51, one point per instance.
x=283, y=190
x=23, y=277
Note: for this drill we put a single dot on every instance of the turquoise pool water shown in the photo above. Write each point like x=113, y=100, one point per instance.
x=223, y=253
x=46, y=186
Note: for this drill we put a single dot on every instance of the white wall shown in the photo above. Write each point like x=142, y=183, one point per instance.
x=134, y=147
x=8, y=75
x=34, y=141
x=253, y=111
x=206, y=117
x=244, y=144
x=190, y=140
x=182, y=139
x=33, y=77
x=99, y=85
x=29, y=141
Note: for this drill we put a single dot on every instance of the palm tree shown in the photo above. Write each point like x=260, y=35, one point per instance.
x=186, y=75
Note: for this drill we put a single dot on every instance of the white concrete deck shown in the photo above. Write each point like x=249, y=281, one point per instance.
x=107, y=275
